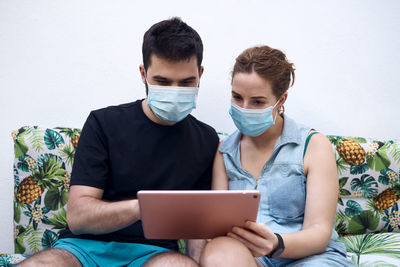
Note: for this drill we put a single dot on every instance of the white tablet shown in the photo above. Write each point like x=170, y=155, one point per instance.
x=190, y=214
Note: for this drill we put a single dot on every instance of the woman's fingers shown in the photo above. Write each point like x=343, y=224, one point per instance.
x=260, y=229
x=255, y=251
x=254, y=241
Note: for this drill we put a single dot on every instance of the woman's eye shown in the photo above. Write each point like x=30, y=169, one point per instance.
x=236, y=97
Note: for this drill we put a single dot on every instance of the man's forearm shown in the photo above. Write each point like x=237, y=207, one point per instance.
x=93, y=216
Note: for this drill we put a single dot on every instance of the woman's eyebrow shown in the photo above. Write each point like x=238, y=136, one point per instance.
x=259, y=97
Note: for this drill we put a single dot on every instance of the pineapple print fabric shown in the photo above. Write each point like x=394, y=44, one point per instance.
x=42, y=167
x=369, y=185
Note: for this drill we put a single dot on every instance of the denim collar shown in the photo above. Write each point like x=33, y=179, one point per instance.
x=231, y=144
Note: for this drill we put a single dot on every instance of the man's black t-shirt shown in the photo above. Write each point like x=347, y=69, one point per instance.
x=122, y=151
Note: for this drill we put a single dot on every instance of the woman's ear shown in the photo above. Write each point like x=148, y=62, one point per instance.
x=282, y=101
x=283, y=98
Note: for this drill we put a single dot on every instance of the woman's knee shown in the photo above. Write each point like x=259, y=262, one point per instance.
x=226, y=251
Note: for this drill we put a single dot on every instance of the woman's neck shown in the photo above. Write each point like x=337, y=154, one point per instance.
x=269, y=137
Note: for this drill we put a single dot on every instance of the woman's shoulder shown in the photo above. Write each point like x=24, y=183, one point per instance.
x=230, y=142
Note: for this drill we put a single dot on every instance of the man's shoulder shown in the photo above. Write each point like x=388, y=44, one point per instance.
x=202, y=127
x=117, y=109
x=115, y=112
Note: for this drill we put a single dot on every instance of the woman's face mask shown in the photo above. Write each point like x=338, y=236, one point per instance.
x=252, y=122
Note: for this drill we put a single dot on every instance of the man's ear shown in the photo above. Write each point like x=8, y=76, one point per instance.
x=201, y=71
x=142, y=73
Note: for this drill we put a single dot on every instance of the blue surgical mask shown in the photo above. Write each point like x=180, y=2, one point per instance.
x=252, y=122
x=171, y=103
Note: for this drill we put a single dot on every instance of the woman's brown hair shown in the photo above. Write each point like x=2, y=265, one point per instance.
x=270, y=64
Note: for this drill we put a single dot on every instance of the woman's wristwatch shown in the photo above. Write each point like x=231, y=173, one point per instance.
x=279, y=249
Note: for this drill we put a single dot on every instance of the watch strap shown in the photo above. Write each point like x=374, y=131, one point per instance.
x=279, y=249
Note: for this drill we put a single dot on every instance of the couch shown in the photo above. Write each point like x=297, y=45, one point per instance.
x=367, y=218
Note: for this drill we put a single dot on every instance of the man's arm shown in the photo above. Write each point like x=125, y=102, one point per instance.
x=88, y=214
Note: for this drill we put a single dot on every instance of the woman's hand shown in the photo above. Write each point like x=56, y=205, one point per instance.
x=258, y=238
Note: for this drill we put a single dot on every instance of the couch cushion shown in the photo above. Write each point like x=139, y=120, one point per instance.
x=369, y=185
x=42, y=167
x=11, y=259
x=380, y=249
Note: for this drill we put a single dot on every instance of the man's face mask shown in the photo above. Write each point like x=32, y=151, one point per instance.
x=171, y=103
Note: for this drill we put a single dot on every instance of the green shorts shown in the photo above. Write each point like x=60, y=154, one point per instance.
x=98, y=253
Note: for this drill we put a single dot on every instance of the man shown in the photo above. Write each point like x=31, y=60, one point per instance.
x=148, y=144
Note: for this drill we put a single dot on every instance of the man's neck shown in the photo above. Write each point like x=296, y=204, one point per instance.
x=149, y=113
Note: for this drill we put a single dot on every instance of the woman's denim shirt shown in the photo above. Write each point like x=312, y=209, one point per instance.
x=282, y=182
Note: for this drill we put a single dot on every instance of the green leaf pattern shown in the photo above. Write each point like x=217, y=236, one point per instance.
x=353, y=208
x=47, y=155
x=53, y=139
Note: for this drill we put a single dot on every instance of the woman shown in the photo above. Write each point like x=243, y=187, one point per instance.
x=292, y=166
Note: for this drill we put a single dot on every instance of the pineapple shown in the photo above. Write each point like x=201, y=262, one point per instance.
x=387, y=198
x=352, y=152
x=66, y=181
x=75, y=140
x=48, y=175
x=73, y=134
x=29, y=190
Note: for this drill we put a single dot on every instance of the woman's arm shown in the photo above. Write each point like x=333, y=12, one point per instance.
x=219, y=176
x=321, y=201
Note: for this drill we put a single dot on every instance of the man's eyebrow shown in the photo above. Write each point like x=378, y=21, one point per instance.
x=161, y=78
x=188, y=79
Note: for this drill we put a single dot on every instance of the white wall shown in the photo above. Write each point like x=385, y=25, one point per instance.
x=61, y=59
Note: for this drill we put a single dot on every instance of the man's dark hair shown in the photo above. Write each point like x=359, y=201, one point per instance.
x=172, y=40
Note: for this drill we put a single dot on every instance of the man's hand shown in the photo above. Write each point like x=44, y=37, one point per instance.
x=258, y=238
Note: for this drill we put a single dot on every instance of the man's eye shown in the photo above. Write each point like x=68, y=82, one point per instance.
x=163, y=83
x=237, y=97
x=188, y=83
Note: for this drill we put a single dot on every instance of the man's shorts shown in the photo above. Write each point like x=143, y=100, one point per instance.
x=98, y=253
